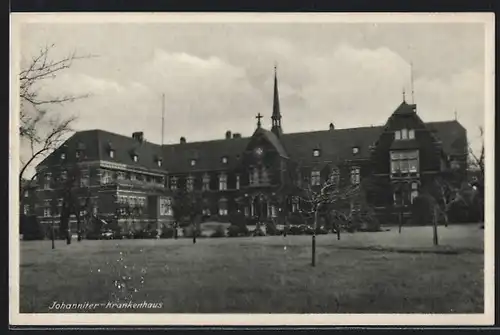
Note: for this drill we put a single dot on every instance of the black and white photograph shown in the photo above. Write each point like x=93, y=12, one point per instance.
x=244, y=169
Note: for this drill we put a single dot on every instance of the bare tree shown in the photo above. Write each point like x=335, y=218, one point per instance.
x=476, y=167
x=40, y=127
x=329, y=196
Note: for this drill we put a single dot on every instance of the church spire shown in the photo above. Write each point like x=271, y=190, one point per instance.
x=276, y=117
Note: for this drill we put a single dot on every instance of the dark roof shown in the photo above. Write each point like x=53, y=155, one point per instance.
x=96, y=144
x=334, y=145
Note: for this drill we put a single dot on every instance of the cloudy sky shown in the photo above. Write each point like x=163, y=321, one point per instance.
x=217, y=77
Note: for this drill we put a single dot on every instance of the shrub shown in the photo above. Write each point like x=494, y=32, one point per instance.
x=235, y=231
x=31, y=228
x=271, y=228
x=167, y=232
x=219, y=232
x=258, y=232
x=295, y=219
x=188, y=231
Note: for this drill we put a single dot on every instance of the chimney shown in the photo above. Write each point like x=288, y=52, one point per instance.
x=236, y=135
x=138, y=136
x=228, y=134
x=332, y=127
x=183, y=140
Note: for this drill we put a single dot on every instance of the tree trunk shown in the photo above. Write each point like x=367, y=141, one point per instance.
x=314, y=237
x=53, y=235
x=434, y=228
x=194, y=233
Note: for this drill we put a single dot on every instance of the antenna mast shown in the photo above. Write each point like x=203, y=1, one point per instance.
x=411, y=82
x=162, y=116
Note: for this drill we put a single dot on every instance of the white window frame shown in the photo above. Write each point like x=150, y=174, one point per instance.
x=173, y=183
x=159, y=162
x=316, y=152
x=355, y=175
x=397, y=135
x=47, y=181
x=63, y=156
x=111, y=153
x=223, y=182
x=355, y=150
x=136, y=158
x=411, y=134
x=193, y=162
x=26, y=209
x=315, y=178
x=237, y=182
x=407, y=156
x=190, y=183
x=224, y=160
x=404, y=134
x=206, y=182
x=46, y=212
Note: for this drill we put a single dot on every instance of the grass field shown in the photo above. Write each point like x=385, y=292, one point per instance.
x=383, y=272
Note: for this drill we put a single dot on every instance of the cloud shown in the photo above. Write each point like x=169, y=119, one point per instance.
x=220, y=77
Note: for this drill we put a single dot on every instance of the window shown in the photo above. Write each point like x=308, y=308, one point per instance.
x=111, y=153
x=165, y=206
x=46, y=184
x=397, y=134
x=335, y=176
x=404, y=134
x=173, y=183
x=404, y=162
x=414, y=191
x=193, y=162
x=64, y=175
x=265, y=176
x=411, y=134
x=315, y=178
x=355, y=175
x=224, y=160
x=120, y=175
x=223, y=207
x=63, y=156
x=159, y=163
x=135, y=157
x=273, y=211
x=206, y=182
x=26, y=209
x=46, y=212
x=78, y=154
x=316, y=152
x=26, y=194
x=355, y=150
x=205, y=212
x=223, y=182
x=254, y=177
x=190, y=183
x=455, y=165
x=133, y=176
x=237, y=182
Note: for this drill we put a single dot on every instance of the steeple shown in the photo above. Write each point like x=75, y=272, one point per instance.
x=276, y=117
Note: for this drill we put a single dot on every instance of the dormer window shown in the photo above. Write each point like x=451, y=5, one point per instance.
x=78, y=154
x=63, y=156
x=404, y=134
x=316, y=152
x=159, y=162
x=135, y=158
x=193, y=162
x=355, y=150
x=224, y=160
x=111, y=153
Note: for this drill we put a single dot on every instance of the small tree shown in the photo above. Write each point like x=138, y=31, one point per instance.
x=476, y=168
x=329, y=196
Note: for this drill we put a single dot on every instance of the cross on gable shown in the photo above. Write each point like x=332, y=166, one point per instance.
x=258, y=117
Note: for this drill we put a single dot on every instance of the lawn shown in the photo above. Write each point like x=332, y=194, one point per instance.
x=382, y=272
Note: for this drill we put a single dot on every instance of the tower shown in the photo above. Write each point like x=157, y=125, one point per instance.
x=276, y=117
